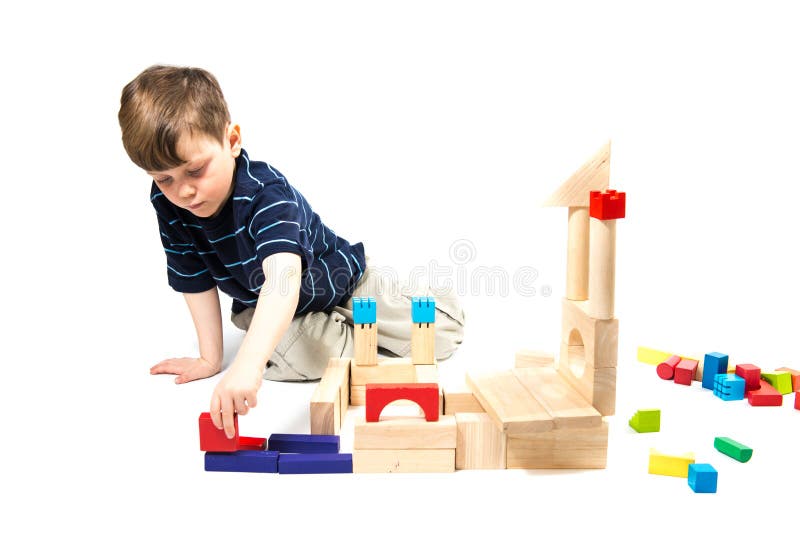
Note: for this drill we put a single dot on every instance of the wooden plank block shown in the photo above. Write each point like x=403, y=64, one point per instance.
x=651, y=356
x=404, y=461
x=405, y=433
x=325, y=409
x=385, y=371
x=600, y=338
x=422, y=343
x=509, y=404
x=592, y=175
x=242, y=461
x=341, y=375
x=480, y=445
x=565, y=448
x=598, y=386
x=566, y=406
x=460, y=400
x=365, y=344
x=533, y=358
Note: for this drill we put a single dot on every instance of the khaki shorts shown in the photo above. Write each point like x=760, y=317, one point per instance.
x=312, y=339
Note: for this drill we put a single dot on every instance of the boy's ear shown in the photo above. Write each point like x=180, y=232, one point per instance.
x=234, y=137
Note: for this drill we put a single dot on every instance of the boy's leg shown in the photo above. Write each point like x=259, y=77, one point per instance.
x=306, y=346
x=393, y=303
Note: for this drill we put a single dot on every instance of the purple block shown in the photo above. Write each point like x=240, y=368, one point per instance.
x=243, y=461
x=296, y=464
x=304, y=443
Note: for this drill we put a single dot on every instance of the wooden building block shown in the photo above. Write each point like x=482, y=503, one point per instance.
x=565, y=448
x=422, y=343
x=379, y=395
x=780, y=380
x=405, y=433
x=246, y=461
x=714, y=363
x=669, y=465
x=577, y=253
x=795, y=377
x=765, y=395
x=666, y=369
x=593, y=174
x=751, y=374
x=315, y=463
x=602, y=267
x=702, y=478
x=513, y=409
x=685, y=372
x=385, y=371
x=533, y=358
x=566, y=407
x=647, y=420
x=651, y=356
x=365, y=344
x=213, y=439
x=404, y=461
x=303, y=443
x=326, y=408
x=358, y=395
x=480, y=445
x=600, y=338
x=598, y=386
x=734, y=449
x=460, y=400
x=430, y=374
x=797, y=400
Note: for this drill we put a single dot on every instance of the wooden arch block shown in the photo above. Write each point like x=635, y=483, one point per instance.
x=379, y=395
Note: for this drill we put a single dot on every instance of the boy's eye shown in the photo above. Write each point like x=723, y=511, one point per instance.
x=164, y=180
x=195, y=172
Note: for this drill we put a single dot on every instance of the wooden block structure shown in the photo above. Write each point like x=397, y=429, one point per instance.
x=423, y=331
x=365, y=331
x=533, y=358
x=331, y=397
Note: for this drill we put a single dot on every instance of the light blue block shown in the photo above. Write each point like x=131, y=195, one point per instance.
x=702, y=478
x=729, y=387
x=714, y=363
x=364, y=310
x=423, y=310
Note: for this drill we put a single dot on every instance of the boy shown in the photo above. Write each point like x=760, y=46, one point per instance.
x=236, y=224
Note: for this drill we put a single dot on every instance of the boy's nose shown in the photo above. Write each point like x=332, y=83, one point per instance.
x=187, y=191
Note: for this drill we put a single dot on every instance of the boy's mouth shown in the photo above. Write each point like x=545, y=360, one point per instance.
x=194, y=206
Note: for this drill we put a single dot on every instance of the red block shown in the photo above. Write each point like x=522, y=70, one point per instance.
x=252, y=444
x=608, y=205
x=766, y=395
x=797, y=401
x=379, y=395
x=751, y=374
x=214, y=440
x=666, y=369
x=685, y=371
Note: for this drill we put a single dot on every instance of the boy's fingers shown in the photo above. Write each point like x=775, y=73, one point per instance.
x=241, y=407
x=227, y=417
x=252, y=400
x=216, y=417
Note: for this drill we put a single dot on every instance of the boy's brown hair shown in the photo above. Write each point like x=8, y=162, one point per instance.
x=163, y=103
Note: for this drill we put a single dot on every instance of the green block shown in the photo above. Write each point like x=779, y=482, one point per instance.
x=782, y=381
x=646, y=420
x=734, y=449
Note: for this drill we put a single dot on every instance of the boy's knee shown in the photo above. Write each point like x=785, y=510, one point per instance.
x=449, y=327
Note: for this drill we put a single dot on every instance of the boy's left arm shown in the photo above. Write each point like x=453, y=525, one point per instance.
x=277, y=302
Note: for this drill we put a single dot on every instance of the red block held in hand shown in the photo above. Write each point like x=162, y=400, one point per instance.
x=214, y=440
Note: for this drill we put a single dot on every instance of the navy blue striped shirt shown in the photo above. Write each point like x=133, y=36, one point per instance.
x=264, y=215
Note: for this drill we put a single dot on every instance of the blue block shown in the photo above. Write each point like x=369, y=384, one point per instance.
x=243, y=461
x=299, y=464
x=729, y=387
x=702, y=478
x=423, y=310
x=364, y=310
x=714, y=363
x=303, y=443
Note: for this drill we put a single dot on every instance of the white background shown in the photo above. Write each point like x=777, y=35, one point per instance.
x=408, y=125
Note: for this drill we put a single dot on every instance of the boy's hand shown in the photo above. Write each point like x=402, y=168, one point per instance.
x=187, y=369
x=235, y=393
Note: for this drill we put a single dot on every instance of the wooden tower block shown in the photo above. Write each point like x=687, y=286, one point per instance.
x=385, y=371
x=565, y=448
x=422, y=343
x=565, y=405
x=533, y=358
x=599, y=338
x=480, y=444
x=598, y=386
x=404, y=461
x=578, y=253
x=593, y=174
x=512, y=408
x=326, y=415
x=365, y=344
x=405, y=433
x=460, y=400
x=602, y=267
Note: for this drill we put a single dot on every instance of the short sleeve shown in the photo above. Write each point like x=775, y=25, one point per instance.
x=278, y=224
x=186, y=271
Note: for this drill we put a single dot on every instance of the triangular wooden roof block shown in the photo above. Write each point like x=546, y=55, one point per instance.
x=593, y=175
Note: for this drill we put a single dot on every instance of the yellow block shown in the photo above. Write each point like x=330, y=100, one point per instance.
x=671, y=466
x=652, y=356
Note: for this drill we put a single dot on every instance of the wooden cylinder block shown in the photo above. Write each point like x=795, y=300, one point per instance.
x=602, y=262
x=578, y=254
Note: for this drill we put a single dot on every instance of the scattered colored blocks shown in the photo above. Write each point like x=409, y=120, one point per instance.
x=651, y=356
x=751, y=374
x=668, y=465
x=780, y=380
x=648, y=420
x=685, y=372
x=423, y=310
x=213, y=439
x=295, y=464
x=714, y=363
x=666, y=369
x=364, y=310
x=734, y=449
x=795, y=377
x=729, y=387
x=304, y=443
x=766, y=395
x=702, y=478
x=243, y=461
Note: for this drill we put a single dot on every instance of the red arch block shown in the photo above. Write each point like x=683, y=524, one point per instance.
x=379, y=395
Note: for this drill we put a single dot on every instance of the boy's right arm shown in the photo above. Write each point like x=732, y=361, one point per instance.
x=207, y=318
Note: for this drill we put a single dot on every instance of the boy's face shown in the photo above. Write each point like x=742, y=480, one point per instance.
x=205, y=181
